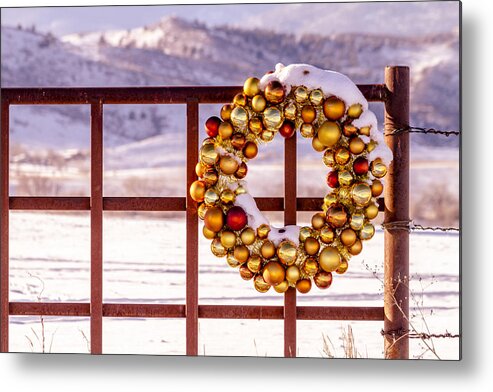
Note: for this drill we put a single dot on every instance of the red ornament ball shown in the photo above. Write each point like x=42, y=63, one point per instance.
x=236, y=218
x=333, y=179
x=212, y=126
x=360, y=166
x=287, y=129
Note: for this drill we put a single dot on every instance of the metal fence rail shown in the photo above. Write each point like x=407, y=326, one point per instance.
x=394, y=94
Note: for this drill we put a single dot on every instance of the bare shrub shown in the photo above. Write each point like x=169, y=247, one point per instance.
x=143, y=187
x=35, y=185
x=436, y=205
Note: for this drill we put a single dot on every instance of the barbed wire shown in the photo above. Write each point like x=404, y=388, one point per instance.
x=409, y=225
x=421, y=335
x=412, y=129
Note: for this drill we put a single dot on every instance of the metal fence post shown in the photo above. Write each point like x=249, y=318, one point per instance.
x=396, y=268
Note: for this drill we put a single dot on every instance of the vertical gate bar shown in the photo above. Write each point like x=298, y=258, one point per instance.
x=97, y=227
x=4, y=229
x=396, y=268
x=290, y=192
x=192, y=268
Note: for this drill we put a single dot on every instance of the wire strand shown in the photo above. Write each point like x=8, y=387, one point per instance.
x=422, y=335
x=409, y=225
x=412, y=129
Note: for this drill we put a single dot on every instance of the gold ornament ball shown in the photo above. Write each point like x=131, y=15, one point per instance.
x=239, y=117
x=376, y=188
x=250, y=150
x=329, y=259
x=272, y=117
x=267, y=135
x=334, y=108
x=254, y=263
x=210, y=177
x=268, y=249
x=356, y=145
x=349, y=130
x=330, y=198
x=251, y=87
x=282, y=287
x=258, y=103
x=317, y=144
x=356, y=248
x=336, y=215
x=227, y=196
x=263, y=231
x=241, y=253
x=361, y=194
x=342, y=156
x=329, y=159
x=273, y=273
x=357, y=221
x=378, y=169
x=211, y=197
x=228, y=164
x=197, y=190
x=329, y=133
x=217, y=248
x=240, y=99
x=318, y=220
x=232, y=262
x=242, y=171
x=228, y=239
x=371, y=211
x=208, y=154
x=308, y=114
x=316, y=97
x=300, y=94
x=355, y=110
x=247, y=236
x=312, y=246
x=274, y=92
x=304, y=286
x=343, y=267
x=348, y=237
x=226, y=112
x=307, y=130
x=225, y=130
x=367, y=231
x=365, y=131
x=202, y=210
x=327, y=235
x=255, y=125
x=238, y=140
x=214, y=219
x=310, y=266
x=200, y=169
x=290, y=111
x=245, y=273
x=323, y=279
x=287, y=252
x=209, y=234
x=240, y=190
x=260, y=284
x=345, y=177
x=293, y=274
x=305, y=232
x=372, y=144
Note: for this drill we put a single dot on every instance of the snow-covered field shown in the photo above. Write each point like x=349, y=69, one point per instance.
x=144, y=262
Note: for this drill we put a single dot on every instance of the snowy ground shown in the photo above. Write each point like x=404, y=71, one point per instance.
x=144, y=262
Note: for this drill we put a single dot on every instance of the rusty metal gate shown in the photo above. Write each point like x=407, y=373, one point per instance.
x=394, y=93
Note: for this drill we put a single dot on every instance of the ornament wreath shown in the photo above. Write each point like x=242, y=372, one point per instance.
x=327, y=107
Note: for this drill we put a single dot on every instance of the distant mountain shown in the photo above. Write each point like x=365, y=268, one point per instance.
x=178, y=52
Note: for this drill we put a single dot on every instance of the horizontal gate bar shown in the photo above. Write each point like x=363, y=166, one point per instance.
x=142, y=95
x=149, y=203
x=357, y=313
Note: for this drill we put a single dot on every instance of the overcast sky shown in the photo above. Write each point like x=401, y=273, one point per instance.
x=373, y=17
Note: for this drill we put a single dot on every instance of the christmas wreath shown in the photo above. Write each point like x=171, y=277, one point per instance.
x=327, y=107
